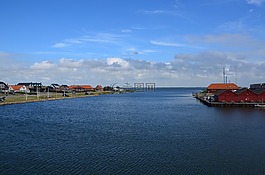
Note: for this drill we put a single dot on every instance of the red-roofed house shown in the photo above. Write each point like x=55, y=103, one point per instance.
x=214, y=87
x=81, y=88
x=99, y=88
x=18, y=88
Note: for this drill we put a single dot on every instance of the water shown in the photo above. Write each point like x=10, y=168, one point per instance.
x=161, y=132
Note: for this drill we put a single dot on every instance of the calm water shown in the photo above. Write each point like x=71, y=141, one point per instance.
x=161, y=132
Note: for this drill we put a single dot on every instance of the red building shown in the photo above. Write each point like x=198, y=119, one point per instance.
x=246, y=95
x=226, y=96
x=261, y=95
x=81, y=88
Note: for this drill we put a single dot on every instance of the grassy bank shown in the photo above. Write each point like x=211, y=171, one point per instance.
x=25, y=98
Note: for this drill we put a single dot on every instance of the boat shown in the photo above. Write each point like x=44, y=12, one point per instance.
x=260, y=106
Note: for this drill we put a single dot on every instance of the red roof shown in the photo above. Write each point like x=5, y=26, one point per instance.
x=16, y=87
x=86, y=86
x=220, y=86
x=81, y=87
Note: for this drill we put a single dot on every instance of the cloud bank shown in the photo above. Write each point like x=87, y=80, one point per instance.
x=184, y=70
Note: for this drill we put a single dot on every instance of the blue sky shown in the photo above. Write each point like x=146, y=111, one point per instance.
x=170, y=42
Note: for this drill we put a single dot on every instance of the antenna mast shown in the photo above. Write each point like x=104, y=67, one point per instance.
x=224, y=74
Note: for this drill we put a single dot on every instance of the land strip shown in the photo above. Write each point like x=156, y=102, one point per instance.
x=26, y=98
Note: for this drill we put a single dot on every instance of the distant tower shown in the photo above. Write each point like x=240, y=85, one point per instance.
x=235, y=75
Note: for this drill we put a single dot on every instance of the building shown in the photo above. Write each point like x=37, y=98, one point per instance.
x=99, y=88
x=3, y=87
x=257, y=86
x=64, y=88
x=246, y=95
x=34, y=87
x=18, y=88
x=261, y=95
x=81, y=88
x=215, y=87
x=226, y=96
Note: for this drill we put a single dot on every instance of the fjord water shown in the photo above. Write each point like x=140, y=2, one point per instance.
x=156, y=132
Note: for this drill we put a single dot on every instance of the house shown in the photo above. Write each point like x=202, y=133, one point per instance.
x=64, y=88
x=19, y=88
x=214, y=87
x=226, y=95
x=81, y=88
x=88, y=88
x=3, y=87
x=55, y=86
x=99, y=88
x=246, y=95
x=34, y=86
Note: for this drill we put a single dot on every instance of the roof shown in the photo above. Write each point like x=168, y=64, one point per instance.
x=16, y=87
x=243, y=90
x=87, y=87
x=81, y=87
x=219, y=86
x=258, y=91
x=220, y=92
x=30, y=84
x=99, y=87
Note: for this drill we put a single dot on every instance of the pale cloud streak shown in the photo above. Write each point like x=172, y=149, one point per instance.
x=157, y=12
x=229, y=42
x=60, y=45
x=102, y=38
x=172, y=44
x=255, y=2
x=161, y=43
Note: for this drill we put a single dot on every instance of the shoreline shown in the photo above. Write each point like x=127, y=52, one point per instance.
x=43, y=99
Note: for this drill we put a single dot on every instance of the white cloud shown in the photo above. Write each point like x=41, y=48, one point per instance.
x=44, y=65
x=255, y=2
x=65, y=63
x=118, y=62
x=161, y=43
x=60, y=45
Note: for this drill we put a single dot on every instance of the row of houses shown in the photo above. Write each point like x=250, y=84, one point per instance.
x=230, y=93
x=38, y=87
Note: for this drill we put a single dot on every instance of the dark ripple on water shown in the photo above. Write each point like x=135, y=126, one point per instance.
x=162, y=132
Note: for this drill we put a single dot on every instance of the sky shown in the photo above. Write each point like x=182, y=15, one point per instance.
x=176, y=43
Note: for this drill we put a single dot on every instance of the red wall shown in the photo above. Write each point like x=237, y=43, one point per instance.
x=247, y=96
x=227, y=96
x=261, y=97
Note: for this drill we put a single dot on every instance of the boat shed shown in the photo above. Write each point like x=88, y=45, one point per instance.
x=225, y=96
x=246, y=95
x=260, y=95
